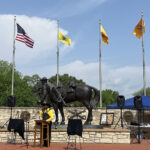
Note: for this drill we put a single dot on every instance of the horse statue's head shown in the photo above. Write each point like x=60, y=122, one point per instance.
x=39, y=90
x=47, y=92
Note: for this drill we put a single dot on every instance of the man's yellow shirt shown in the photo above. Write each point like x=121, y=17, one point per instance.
x=49, y=112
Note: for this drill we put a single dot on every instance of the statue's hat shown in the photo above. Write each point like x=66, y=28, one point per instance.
x=44, y=79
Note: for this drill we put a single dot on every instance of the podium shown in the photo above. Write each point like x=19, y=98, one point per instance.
x=43, y=124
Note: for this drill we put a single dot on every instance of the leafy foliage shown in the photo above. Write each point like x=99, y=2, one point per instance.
x=109, y=97
x=31, y=80
x=141, y=92
x=5, y=81
x=65, y=79
x=22, y=90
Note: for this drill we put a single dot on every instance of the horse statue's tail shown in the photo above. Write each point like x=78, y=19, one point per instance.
x=95, y=99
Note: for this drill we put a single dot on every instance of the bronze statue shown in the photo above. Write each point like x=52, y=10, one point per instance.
x=59, y=96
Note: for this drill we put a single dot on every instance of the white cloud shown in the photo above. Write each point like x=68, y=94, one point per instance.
x=126, y=80
x=42, y=31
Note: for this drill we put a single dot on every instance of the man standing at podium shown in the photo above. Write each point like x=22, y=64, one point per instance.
x=47, y=114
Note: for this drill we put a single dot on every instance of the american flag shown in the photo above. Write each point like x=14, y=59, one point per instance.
x=23, y=37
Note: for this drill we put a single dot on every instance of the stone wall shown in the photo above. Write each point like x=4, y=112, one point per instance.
x=5, y=113
x=105, y=135
x=110, y=136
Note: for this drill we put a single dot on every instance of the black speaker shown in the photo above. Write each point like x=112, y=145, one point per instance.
x=121, y=101
x=11, y=101
x=138, y=104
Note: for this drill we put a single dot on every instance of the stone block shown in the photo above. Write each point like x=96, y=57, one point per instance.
x=107, y=135
x=91, y=136
x=92, y=133
x=98, y=135
x=115, y=139
x=123, y=141
x=106, y=140
x=122, y=136
x=86, y=136
x=62, y=133
x=97, y=141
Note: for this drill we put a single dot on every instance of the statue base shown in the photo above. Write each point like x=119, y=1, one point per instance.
x=92, y=126
x=59, y=126
x=84, y=126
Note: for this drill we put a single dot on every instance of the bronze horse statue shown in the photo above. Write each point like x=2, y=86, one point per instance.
x=58, y=96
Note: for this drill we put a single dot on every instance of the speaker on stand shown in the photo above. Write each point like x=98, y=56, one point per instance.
x=11, y=102
x=120, y=104
x=138, y=105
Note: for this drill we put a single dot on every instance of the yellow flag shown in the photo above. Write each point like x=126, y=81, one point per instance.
x=64, y=39
x=104, y=35
x=139, y=29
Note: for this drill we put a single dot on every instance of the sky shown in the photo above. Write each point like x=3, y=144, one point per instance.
x=79, y=20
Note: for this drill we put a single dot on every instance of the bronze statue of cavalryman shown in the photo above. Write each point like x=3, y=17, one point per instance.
x=58, y=96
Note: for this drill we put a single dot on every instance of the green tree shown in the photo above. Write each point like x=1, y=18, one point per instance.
x=22, y=91
x=31, y=80
x=141, y=92
x=109, y=97
x=5, y=81
x=65, y=79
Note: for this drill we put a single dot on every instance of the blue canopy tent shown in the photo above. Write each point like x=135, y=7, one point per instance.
x=129, y=103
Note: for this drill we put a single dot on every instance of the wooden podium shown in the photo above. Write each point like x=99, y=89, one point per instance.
x=43, y=124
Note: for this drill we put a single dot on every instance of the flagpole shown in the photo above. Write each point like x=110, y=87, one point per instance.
x=100, y=65
x=144, y=75
x=13, y=58
x=57, y=52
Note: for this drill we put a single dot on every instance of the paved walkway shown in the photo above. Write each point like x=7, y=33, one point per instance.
x=58, y=146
